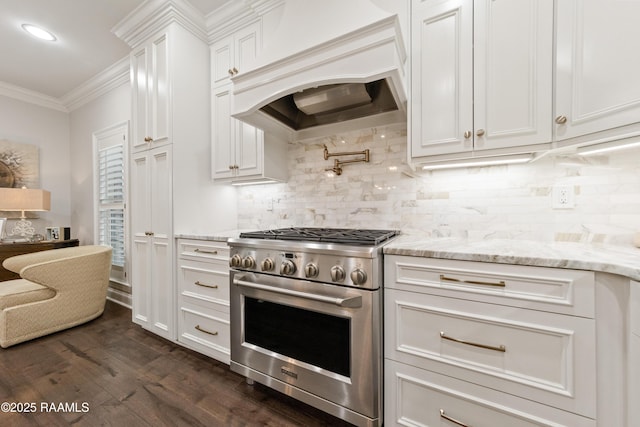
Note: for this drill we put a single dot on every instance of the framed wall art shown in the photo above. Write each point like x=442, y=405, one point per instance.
x=19, y=167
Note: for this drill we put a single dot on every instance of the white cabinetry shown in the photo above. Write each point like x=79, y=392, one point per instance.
x=634, y=356
x=203, y=297
x=238, y=150
x=488, y=344
x=151, y=104
x=481, y=77
x=597, y=84
x=152, y=245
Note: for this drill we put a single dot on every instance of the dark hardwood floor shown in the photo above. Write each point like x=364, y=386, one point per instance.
x=110, y=372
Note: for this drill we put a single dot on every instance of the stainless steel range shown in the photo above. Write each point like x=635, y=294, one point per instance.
x=306, y=316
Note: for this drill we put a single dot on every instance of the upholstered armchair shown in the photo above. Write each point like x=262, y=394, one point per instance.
x=58, y=289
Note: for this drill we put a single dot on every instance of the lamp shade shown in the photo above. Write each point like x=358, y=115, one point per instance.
x=24, y=199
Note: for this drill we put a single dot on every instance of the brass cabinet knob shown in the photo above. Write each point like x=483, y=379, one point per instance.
x=480, y=132
x=230, y=71
x=467, y=134
x=561, y=120
x=148, y=139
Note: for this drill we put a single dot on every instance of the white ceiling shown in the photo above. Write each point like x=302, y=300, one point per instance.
x=85, y=44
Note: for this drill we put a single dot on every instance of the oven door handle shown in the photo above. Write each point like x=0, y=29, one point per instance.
x=351, y=302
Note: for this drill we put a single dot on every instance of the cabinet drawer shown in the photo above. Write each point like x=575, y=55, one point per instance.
x=203, y=250
x=200, y=283
x=425, y=398
x=208, y=333
x=537, y=355
x=550, y=289
x=634, y=297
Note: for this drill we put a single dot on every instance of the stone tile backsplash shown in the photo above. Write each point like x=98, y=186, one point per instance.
x=506, y=201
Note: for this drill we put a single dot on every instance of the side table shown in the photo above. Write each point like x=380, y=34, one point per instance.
x=8, y=250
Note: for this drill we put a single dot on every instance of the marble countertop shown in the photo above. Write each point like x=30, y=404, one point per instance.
x=615, y=259
x=215, y=236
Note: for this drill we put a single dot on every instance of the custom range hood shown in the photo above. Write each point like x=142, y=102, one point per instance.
x=330, y=66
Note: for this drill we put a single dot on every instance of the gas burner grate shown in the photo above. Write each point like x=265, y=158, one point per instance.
x=329, y=235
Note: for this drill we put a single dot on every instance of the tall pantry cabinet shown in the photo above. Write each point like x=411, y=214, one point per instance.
x=170, y=113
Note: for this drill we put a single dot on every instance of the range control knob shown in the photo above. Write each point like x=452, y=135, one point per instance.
x=337, y=273
x=235, y=261
x=248, y=262
x=267, y=264
x=310, y=270
x=288, y=267
x=358, y=276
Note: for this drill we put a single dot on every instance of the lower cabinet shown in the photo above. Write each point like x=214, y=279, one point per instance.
x=419, y=397
x=634, y=355
x=465, y=346
x=203, y=297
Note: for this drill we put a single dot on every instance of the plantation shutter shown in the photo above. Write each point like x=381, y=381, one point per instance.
x=111, y=223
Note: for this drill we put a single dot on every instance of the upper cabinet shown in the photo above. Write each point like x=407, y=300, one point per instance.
x=485, y=83
x=239, y=152
x=230, y=55
x=597, y=83
x=481, y=77
x=151, y=121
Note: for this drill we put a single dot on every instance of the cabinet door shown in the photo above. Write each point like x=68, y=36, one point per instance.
x=151, y=94
x=442, y=87
x=160, y=91
x=222, y=134
x=513, y=68
x=247, y=43
x=141, y=242
x=249, y=149
x=162, y=298
x=221, y=61
x=140, y=95
x=597, y=84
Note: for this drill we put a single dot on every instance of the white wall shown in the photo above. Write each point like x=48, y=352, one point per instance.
x=48, y=129
x=109, y=109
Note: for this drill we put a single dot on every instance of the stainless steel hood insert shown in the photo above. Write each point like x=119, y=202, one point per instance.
x=332, y=104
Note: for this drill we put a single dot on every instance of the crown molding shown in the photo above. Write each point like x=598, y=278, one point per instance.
x=236, y=14
x=111, y=78
x=32, y=97
x=104, y=82
x=153, y=16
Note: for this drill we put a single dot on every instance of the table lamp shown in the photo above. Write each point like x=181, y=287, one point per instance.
x=22, y=200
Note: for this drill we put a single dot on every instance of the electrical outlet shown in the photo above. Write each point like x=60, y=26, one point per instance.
x=563, y=197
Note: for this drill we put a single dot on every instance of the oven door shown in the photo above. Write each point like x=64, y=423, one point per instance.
x=316, y=342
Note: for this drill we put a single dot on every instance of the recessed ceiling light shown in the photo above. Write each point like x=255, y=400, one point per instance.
x=38, y=32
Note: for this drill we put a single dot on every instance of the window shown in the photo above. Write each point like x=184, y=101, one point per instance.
x=110, y=146
x=111, y=201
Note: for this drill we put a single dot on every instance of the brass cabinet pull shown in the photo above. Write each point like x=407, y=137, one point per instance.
x=452, y=420
x=480, y=132
x=199, y=283
x=230, y=71
x=205, y=331
x=501, y=283
x=467, y=134
x=235, y=70
x=205, y=252
x=561, y=120
x=148, y=139
x=500, y=348
x=148, y=233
